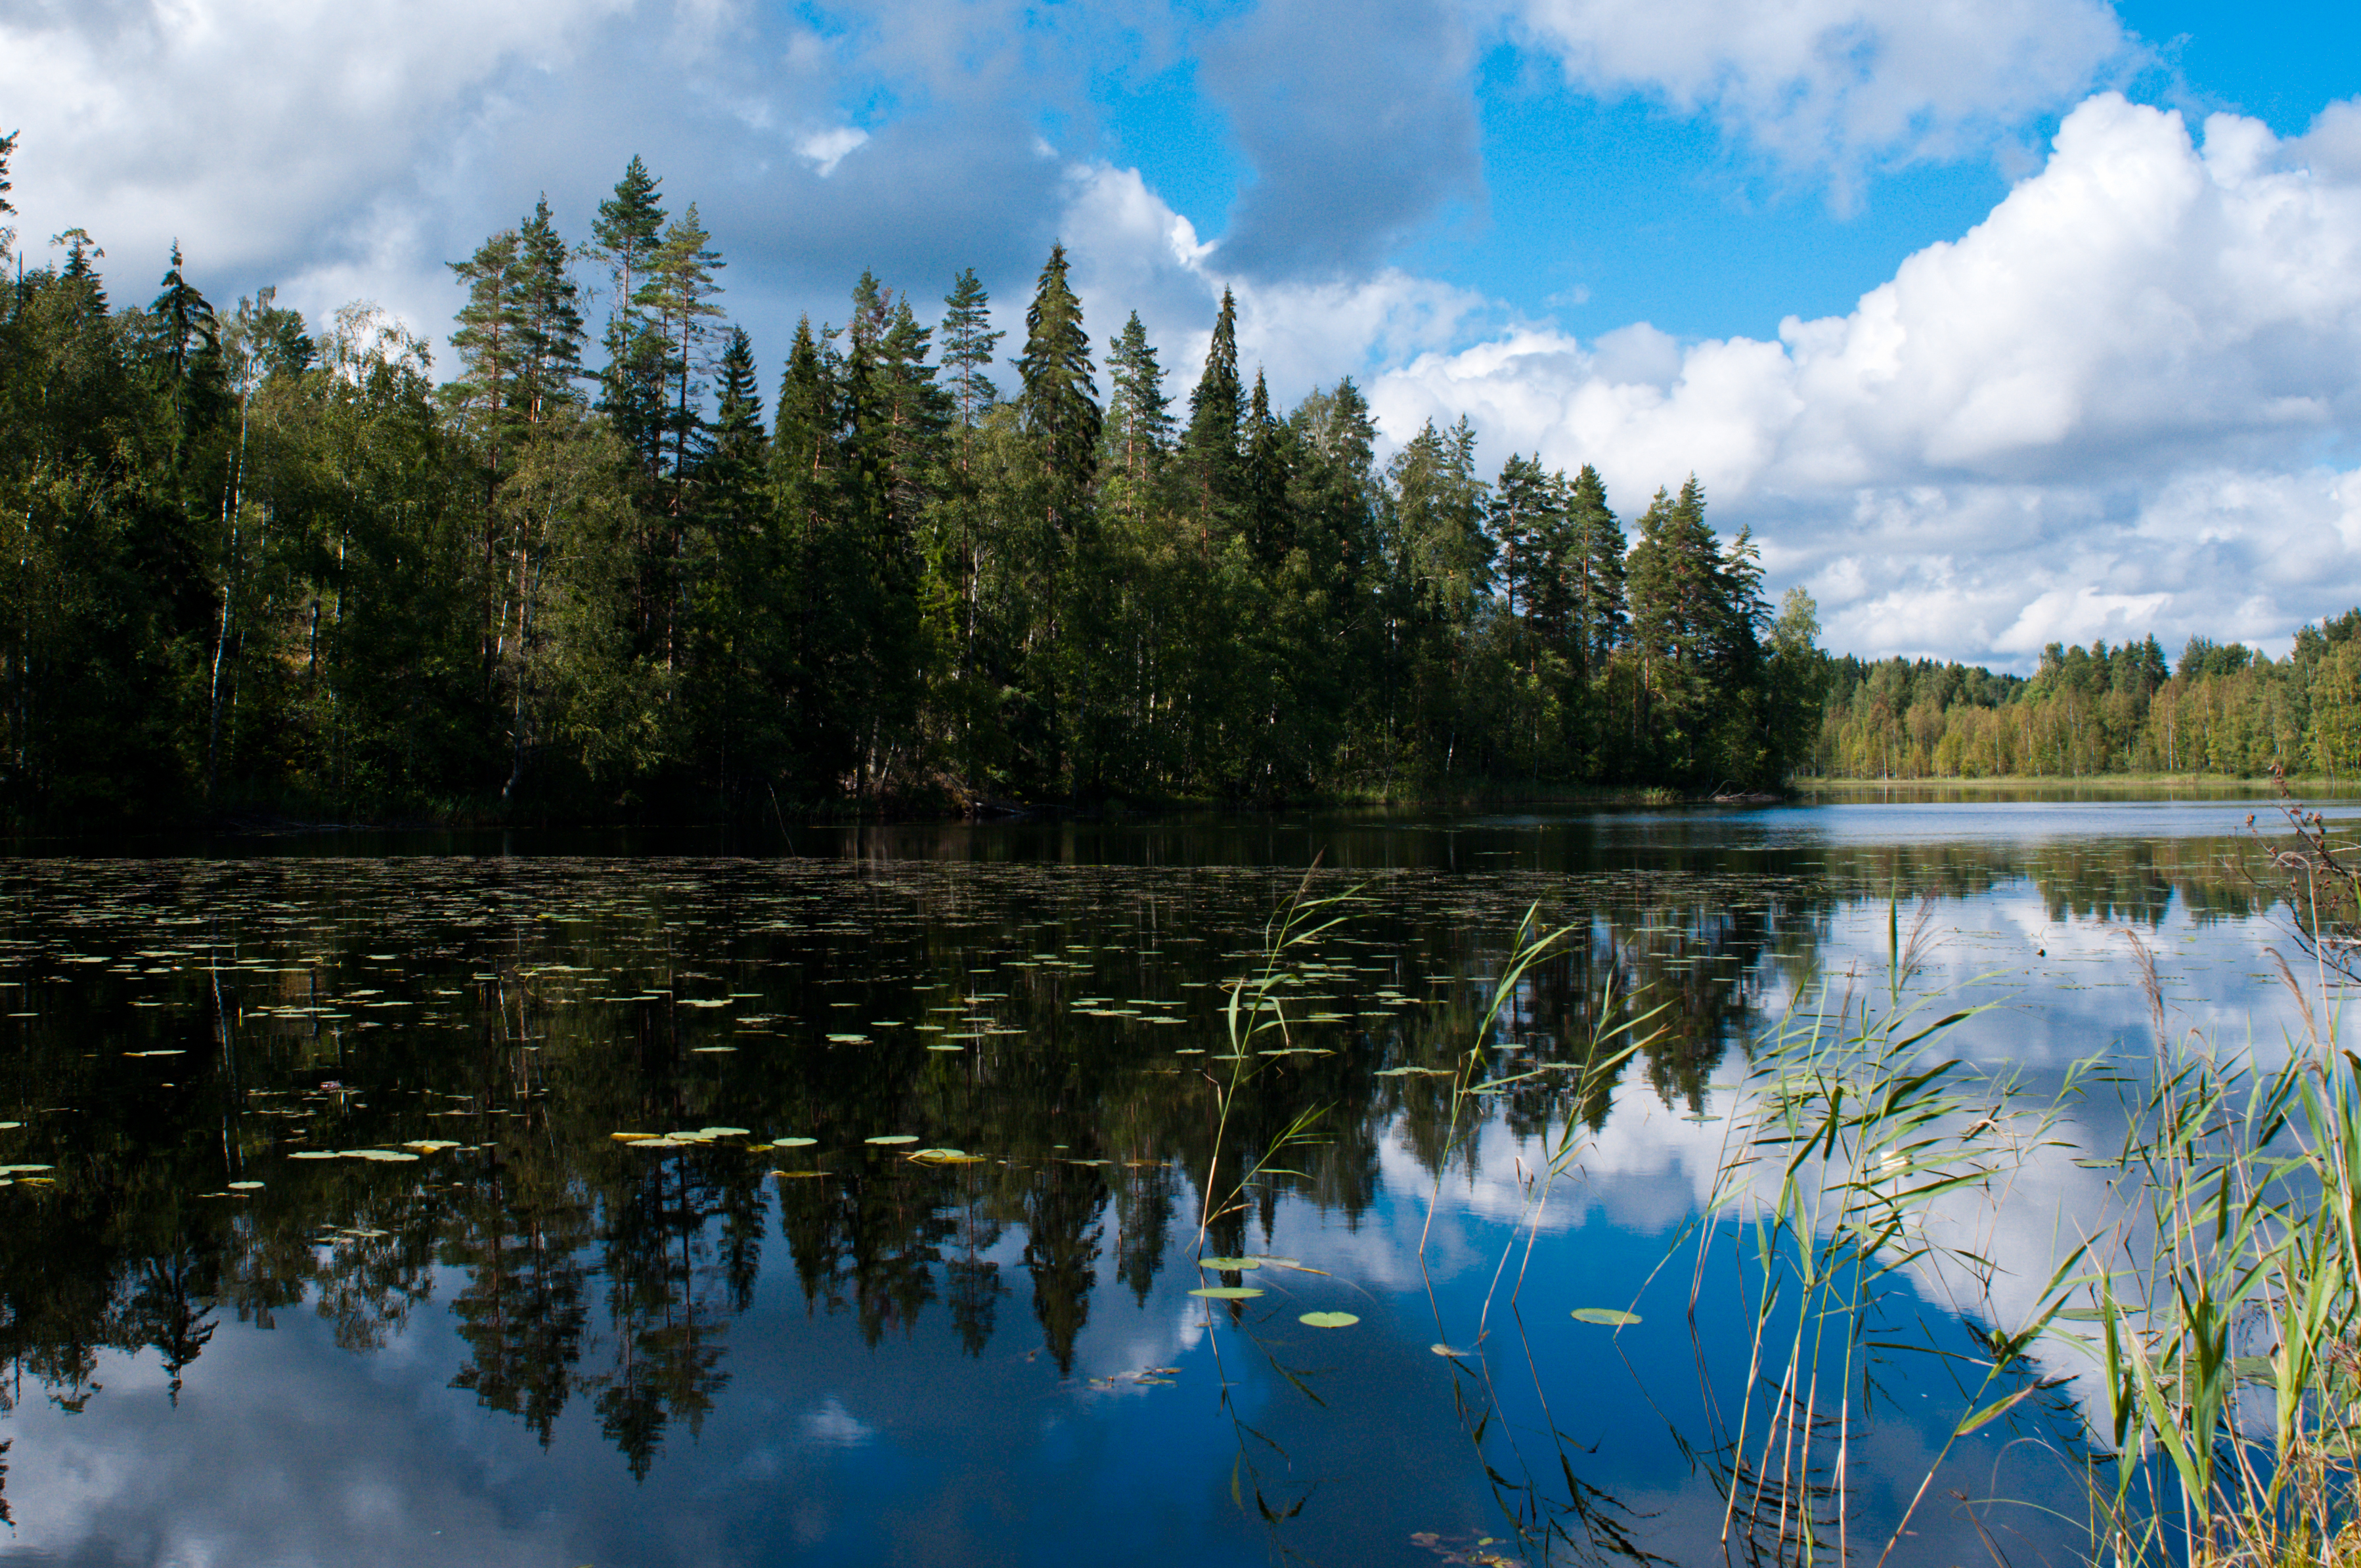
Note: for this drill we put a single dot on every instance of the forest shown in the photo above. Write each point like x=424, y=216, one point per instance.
x=613, y=568
x=2224, y=709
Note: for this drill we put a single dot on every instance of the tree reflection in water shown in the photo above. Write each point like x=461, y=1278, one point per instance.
x=526, y=1011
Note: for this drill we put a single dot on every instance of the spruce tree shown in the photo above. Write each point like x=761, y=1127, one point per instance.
x=7, y=208
x=739, y=442
x=1211, y=446
x=1596, y=555
x=1269, y=519
x=183, y=345
x=549, y=328
x=1139, y=415
x=1057, y=405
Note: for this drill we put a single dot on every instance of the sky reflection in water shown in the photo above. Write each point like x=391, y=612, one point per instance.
x=544, y=1345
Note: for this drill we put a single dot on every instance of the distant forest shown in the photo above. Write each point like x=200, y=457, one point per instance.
x=267, y=565
x=2223, y=709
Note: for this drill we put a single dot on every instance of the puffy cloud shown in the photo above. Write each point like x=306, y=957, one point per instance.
x=2113, y=405
x=1840, y=85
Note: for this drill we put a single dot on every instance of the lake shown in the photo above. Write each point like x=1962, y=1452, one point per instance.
x=656, y=1200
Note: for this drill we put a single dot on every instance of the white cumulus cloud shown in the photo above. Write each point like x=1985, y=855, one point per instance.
x=1840, y=86
x=2126, y=399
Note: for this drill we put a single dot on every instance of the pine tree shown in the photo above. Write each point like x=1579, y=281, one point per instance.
x=627, y=232
x=1525, y=512
x=487, y=391
x=80, y=276
x=677, y=298
x=969, y=347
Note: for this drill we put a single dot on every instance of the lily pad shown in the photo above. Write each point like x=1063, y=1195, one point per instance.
x=245, y=1186
x=946, y=1156
x=793, y=1143
x=1227, y=1292
x=892, y=1138
x=1612, y=1316
x=1328, y=1320
x=721, y=1132
x=1229, y=1263
x=1452, y=1351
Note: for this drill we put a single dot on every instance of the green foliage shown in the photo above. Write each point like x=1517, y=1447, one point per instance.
x=2092, y=711
x=268, y=569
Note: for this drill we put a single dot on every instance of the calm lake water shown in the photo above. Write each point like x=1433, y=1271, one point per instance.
x=320, y=1244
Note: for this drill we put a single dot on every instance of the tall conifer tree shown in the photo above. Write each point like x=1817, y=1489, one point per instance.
x=627, y=232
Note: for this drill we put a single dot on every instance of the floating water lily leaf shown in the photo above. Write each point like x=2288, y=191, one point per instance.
x=629, y=1137
x=1612, y=1316
x=705, y=1001
x=711, y=1050
x=22, y=1170
x=1226, y=1292
x=799, y=1175
x=430, y=1146
x=1452, y=1351
x=1229, y=1263
x=946, y=1156
x=388, y=1157
x=721, y=1132
x=1328, y=1320
x=892, y=1138
x=793, y=1143
x=10, y=1127
x=315, y=1154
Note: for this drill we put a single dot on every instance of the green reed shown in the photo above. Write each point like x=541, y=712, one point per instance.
x=2221, y=1325
x=1855, y=1154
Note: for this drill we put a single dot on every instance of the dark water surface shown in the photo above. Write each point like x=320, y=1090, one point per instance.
x=318, y=1244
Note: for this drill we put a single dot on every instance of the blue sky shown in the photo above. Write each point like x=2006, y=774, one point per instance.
x=1999, y=321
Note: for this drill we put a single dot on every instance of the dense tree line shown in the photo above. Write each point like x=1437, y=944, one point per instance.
x=2224, y=709
x=264, y=564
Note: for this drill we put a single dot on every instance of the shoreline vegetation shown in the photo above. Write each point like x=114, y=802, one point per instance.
x=611, y=564
x=2221, y=711
x=283, y=571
